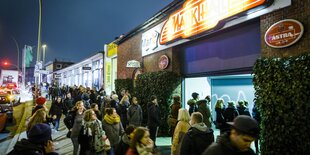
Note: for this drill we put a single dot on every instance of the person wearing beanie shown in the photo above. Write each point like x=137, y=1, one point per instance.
x=40, y=103
x=244, y=130
x=38, y=142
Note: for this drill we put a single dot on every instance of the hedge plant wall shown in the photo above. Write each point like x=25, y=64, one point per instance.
x=283, y=97
x=162, y=84
x=123, y=83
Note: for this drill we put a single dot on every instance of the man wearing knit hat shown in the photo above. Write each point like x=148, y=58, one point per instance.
x=40, y=103
x=38, y=142
x=244, y=130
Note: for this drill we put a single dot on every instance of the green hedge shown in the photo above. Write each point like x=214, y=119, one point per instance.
x=123, y=83
x=283, y=97
x=163, y=85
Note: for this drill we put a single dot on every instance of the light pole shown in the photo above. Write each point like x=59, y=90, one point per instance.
x=44, y=48
x=37, y=75
x=16, y=44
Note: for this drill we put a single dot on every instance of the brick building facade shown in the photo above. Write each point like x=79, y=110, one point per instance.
x=299, y=10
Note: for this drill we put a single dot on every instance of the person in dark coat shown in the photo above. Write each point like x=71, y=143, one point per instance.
x=153, y=118
x=257, y=117
x=192, y=103
x=219, y=110
x=56, y=112
x=38, y=142
x=68, y=104
x=174, y=111
x=134, y=113
x=238, y=141
x=125, y=141
x=242, y=109
x=198, y=137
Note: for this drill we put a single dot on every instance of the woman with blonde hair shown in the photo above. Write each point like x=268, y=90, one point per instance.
x=74, y=122
x=40, y=116
x=180, y=130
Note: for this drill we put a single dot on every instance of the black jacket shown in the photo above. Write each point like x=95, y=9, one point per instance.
x=24, y=147
x=195, y=141
x=223, y=146
x=153, y=115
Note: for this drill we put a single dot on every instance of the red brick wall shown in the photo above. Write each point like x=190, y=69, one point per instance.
x=299, y=10
x=128, y=50
x=131, y=50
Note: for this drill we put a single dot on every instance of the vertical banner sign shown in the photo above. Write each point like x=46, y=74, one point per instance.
x=199, y=16
x=108, y=75
x=112, y=50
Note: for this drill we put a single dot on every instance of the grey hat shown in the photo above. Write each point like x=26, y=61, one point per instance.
x=246, y=125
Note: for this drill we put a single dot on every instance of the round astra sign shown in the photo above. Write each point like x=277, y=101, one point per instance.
x=163, y=62
x=284, y=33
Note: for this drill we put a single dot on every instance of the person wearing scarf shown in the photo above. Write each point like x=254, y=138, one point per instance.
x=113, y=128
x=141, y=143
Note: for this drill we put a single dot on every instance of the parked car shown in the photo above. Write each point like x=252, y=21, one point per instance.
x=7, y=100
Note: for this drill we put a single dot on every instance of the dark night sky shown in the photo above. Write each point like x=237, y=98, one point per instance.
x=72, y=29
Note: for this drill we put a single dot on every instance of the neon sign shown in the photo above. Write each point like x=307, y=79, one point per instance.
x=198, y=16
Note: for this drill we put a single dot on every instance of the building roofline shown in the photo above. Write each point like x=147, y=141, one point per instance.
x=155, y=18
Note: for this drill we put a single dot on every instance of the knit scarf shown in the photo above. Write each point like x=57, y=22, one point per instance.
x=111, y=119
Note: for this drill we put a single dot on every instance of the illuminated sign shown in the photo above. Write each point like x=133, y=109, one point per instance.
x=198, y=16
x=284, y=33
x=150, y=41
x=112, y=50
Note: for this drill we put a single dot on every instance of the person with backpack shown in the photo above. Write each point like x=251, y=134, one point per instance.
x=198, y=137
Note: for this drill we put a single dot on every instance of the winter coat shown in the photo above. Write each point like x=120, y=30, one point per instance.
x=68, y=105
x=223, y=146
x=179, y=132
x=230, y=113
x=243, y=111
x=220, y=119
x=198, y=137
x=153, y=115
x=56, y=109
x=135, y=115
x=123, y=145
x=113, y=132
x=122, y=112
x=206, y=113
x=24, y=147
x=175, y=110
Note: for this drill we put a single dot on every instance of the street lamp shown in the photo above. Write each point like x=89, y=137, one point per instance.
x=44, y=48
x=5, y=63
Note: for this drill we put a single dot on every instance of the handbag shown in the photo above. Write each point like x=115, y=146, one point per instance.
x=107, y=145
x=101, y=145
x=171, y=121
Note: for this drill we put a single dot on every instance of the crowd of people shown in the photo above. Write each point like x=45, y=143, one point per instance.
x=112, y=124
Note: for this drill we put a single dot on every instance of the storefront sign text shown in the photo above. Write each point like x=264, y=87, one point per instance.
x=198, y=16
x=284, y=33
x=150, y=41
x=112, y=50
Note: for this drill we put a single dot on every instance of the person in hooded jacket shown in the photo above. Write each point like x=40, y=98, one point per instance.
x=244, y=130
x=198, y=137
